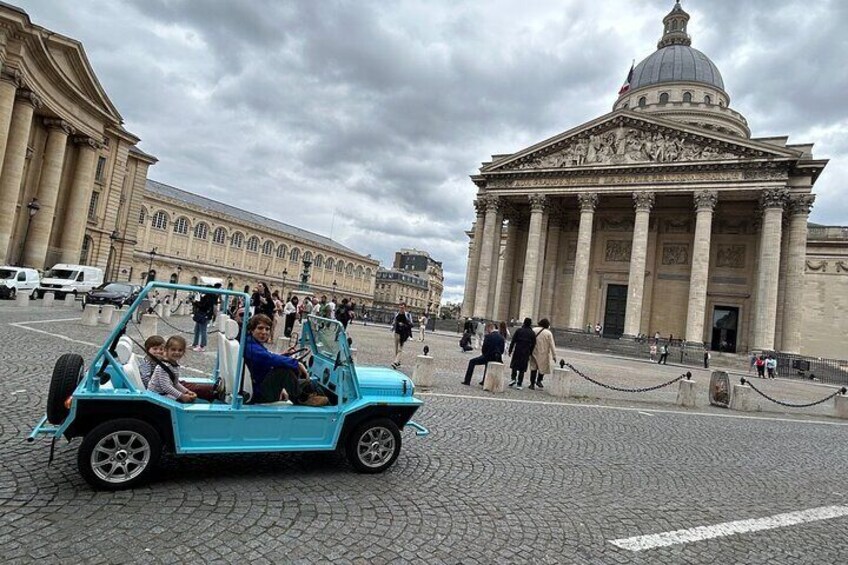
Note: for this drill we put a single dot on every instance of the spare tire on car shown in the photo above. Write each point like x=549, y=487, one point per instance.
x=67, y=373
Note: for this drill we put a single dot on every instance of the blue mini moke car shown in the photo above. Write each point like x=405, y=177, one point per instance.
x=124, y=428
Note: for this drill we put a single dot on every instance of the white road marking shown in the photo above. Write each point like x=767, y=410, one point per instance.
x=646, y=413
x=46, y=321
x=626, y=409
x=690, y=535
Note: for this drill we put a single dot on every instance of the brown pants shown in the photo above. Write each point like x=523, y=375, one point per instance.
x=202, y=390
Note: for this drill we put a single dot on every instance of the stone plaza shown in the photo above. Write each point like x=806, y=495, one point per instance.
x=521, y=477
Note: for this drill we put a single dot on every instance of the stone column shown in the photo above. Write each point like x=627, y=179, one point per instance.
x=10, y=81
x=540, y=269
x=76, y=211
x=474, y=261
x=768, y=268
x=577, y=310
x=38, y=237
x=705, y=202
x=508, y=275
x=497, y=236
x=538, y=203
x=13, y=167
x=484, y=272
x=793, y=305
x=643, y=202
x=546, y=305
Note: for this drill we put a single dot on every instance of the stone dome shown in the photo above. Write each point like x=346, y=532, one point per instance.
x=676, y=63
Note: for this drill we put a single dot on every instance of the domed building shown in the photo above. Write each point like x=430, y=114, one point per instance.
x=663, y=216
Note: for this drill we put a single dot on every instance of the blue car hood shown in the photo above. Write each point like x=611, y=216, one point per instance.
x=382, y=381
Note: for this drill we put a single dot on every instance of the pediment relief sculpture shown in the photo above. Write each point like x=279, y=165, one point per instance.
x=615, y=224
x=819, y=266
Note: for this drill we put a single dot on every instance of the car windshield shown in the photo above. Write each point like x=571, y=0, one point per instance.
x=326, y=335
x=7, y=274
x=61, y=274
x=116, y=287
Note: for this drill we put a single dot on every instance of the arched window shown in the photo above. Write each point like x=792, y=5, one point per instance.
x=220, y=236
x=349, y=269
x=664, y=98
x=160, y=220
x=181, y=226
x=307, y=256
x=707, y=99
x=721, y=103
x=319, y=261
x=268, y=247
x=173, y=279
x=340, y=266
x=142, y=216
x=294, y=256
x=237, y=240
x=687, y=97
x=625, y=105
x=368, y=273
x=253, y=244
x=282, y=250
x=359, y=272
x=329, y=264
x=642, y=101
x=193, y=281
x=229, y=286
x=201, y=231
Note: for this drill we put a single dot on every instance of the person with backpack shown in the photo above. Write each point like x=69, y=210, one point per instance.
x=204, y=312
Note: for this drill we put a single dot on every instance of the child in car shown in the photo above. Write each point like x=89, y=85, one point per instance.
x=166, y=376
x=154, y=348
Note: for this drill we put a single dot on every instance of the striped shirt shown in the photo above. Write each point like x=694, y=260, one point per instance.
x=145, y=369
x=161, y=382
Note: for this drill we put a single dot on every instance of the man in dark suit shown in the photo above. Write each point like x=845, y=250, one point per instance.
x=493, y=349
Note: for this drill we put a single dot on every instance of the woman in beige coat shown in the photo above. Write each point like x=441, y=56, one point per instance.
x=543, y=354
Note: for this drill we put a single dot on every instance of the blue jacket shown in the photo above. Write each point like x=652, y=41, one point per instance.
x=260, y=361
x=493, y=347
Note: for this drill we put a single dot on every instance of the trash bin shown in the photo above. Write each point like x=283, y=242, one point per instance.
x=720, y=389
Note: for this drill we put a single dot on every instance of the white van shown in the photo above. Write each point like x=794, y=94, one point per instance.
x=17, y=279
x=65, y=279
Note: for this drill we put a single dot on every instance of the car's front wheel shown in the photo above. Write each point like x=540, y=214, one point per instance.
x=67, y=373
x=373, y=446
x=12, y=292
x=119, y=454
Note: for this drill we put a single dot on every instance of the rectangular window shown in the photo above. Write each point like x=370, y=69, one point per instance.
x=92, y=206
x=101, y=169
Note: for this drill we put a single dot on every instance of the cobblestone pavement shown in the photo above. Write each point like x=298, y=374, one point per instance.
x=520, y=478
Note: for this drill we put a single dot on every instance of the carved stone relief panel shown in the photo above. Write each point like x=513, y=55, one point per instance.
x=675, y=254
x=817, y=266
x=731, y=256
x=732, y=225
x=620, y=223
x=618, y=251
x=676, y=225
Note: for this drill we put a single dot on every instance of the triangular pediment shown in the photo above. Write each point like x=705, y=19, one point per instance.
x=626, y=138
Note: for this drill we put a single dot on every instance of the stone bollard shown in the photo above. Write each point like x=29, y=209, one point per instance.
x=160, y=309
x=116, y=319
x=22, y=299
x=166, y=310
x=560, y=383
x=183, y=309
x=90, y=315
x=422, y=374
x=743, y=399
x=149, y=325
x=686, y=393
x=47, y=299
x=106, y=313
x=70, y=300
x=494, y=381
x=841, y=406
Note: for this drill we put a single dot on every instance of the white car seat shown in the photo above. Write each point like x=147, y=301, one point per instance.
x=226, y=356
x=129, y=361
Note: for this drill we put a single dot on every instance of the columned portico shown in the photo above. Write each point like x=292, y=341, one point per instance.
x=549, y=272
x=484, y=273
x=505, y=299
x=38, y=238
x=576, y=318
x=705, y=202
x=494, y=273
x=799, y=212
x=643, y=202
x=529, y=287
x=10, y=81
x=768, y=268
x=73, y=227
x=474, y=258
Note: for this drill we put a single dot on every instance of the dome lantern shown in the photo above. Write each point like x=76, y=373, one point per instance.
x=674, y=32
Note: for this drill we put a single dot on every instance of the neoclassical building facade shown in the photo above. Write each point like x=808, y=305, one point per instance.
x=191, y=236
x=664, y=215
x=71, y=176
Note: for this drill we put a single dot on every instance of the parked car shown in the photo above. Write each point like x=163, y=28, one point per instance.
x=14, y=280
x=65, y=279
x=125, y=428
x=116, y=293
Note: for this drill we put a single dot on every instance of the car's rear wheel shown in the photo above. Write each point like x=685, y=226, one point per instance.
x=67, y=373
x=373, y=446
x=119, y=454
x=12, y=292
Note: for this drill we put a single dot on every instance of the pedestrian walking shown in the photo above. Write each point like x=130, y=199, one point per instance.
x=598, y=329
x=289, y=316
x=492, y=351
x=653, y=351
x=663, y=355
x=422, y=325
x=204, y=312
x=479, y=326
x=771, y=365
x=543, y=354
x=401, y=330
x=465, y=342
x=706, y=358
x=760, y=364
x=521, y=348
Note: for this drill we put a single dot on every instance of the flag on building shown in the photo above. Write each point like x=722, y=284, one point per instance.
x=626, y=86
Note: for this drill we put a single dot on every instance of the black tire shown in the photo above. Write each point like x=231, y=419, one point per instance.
x=39, y=294
x=67, y=373
x=128, y=447
x=384, y=438
x=12, y=292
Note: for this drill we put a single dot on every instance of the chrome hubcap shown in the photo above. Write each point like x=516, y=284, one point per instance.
x=120, y=457
x=376, y=447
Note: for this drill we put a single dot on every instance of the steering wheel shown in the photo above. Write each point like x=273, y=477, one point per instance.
x=300, y=354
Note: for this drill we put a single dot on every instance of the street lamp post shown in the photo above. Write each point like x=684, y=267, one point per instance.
x=335, y=285
x=179, y=270
x=32, y=208
x=285, y=274
x=152, y=254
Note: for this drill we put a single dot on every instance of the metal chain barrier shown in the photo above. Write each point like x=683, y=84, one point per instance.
x=687, y=375
x=744, y=381
x=186, y=332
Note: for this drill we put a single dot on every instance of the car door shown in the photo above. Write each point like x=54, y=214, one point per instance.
x=21, y=282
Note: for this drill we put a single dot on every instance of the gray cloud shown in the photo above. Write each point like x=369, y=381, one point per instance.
x=365, y=118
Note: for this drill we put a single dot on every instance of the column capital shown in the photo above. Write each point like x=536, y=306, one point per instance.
x=588, y=201
x=538, y=202
x=52, y=123
x=479, y=206
x=643, y=201
x=705, y=200
x=13, y=75
x=84, y=140
x=800, y=204
x=490, y=202
x=30, y=97
x=774, y=198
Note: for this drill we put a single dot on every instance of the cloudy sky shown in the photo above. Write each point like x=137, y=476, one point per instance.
x=364, y=118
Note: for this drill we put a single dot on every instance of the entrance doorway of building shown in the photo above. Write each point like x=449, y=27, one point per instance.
x=615, y=310
x=725, y=325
